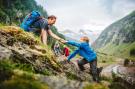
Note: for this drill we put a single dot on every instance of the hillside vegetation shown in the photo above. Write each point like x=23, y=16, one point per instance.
x=118, y=39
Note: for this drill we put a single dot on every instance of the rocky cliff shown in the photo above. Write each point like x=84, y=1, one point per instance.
x=122, y=31
x=118, y=37
x=25, y=60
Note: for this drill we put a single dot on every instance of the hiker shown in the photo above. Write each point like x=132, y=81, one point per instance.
x=66, y=51
x=57, y=50
x=34, y=22
x=89, y=56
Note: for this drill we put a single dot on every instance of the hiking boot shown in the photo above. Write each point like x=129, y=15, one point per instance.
x=99, y=70
x=96, y=78
x=81, y=67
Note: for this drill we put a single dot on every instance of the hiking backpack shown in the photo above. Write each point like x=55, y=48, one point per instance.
x=30, y=19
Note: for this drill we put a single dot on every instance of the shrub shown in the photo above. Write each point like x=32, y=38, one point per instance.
x=132, y=52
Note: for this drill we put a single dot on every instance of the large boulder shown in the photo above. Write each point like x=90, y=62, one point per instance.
x=23, y=47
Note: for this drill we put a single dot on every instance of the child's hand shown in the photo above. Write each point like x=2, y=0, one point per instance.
x=63, y=41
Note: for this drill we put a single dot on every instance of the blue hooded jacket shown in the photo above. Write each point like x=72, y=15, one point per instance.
x=83, y=50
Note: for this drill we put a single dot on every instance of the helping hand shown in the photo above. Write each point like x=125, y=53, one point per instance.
x=63, y=41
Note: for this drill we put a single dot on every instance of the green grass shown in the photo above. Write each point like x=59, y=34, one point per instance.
x=71, y=76
x=19, y=79
x=122, y=50
x=24, y=81
x=105, y=60
x=7, y=64
x=96, y=86
x=47, y=72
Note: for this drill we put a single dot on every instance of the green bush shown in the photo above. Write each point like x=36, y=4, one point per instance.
x=132, y=52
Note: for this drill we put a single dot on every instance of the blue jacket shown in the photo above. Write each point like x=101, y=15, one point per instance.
x=83, y=50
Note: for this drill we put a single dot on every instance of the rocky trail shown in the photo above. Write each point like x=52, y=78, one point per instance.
x=121, y=75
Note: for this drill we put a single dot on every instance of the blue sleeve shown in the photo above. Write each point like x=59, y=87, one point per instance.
x=74, y=43
x=73, y=54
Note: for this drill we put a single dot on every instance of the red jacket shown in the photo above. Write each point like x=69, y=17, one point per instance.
x=66, y=51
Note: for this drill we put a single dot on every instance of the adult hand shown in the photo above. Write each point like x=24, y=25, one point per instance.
x=63, y=41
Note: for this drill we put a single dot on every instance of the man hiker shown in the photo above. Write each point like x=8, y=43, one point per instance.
x=89, y=56
x=37, y=24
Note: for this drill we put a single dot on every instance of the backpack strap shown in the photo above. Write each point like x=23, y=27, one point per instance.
x=36, y=20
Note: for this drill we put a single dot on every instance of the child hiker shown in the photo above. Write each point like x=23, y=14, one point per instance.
x=66, y=51
x=89, y=56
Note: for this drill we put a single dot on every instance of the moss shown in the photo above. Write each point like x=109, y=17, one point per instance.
x=103, y=78
x=23, y=82
x=9, y=65
x=25, y=67
x=71, y=76
x=10, y=78
x=5, y=70
x=96, y=86
x=19, y=35
x=47, y=72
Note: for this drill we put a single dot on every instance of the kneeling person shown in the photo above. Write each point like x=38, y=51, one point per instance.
x=39, y=25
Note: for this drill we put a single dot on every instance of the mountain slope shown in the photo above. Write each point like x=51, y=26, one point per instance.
x=26, y=61
x=118, y=38
x=13, y=11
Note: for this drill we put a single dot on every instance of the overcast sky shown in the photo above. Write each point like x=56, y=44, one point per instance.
x=87, y=14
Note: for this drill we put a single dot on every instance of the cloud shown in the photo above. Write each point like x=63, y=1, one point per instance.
x=73, y=14
x=117, y=9
x=93, y=15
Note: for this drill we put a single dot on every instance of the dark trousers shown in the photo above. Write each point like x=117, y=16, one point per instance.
x=93, y=68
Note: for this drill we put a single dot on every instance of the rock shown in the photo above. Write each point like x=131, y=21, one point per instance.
x=61, y=82
x=119, y=73
x=23, y=47
x=5, y=53
x=107, y=71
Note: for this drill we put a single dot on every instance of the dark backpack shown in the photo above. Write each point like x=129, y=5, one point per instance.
x=30, y=19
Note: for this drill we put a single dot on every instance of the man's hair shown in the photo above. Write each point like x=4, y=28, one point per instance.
x=51, y=17
x=86, y=39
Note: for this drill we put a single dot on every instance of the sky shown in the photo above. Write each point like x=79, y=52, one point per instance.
x=93, y=15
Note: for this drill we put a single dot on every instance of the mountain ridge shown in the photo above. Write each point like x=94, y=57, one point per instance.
x=120, y=36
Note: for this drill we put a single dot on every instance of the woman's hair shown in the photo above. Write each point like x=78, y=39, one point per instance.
x=85, y=38
x=51, y=17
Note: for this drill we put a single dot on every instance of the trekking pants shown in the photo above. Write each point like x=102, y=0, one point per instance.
x=93, y=68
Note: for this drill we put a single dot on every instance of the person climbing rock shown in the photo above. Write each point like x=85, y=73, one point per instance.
x=34, y=22
x=89, y=56
x=57, y=49
x=66, y=51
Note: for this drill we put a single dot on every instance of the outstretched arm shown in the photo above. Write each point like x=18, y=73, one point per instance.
x=74, y=43
x=73, y=54
x=53, y=35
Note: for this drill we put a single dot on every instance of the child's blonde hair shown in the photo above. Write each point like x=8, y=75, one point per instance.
x=85, y=38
